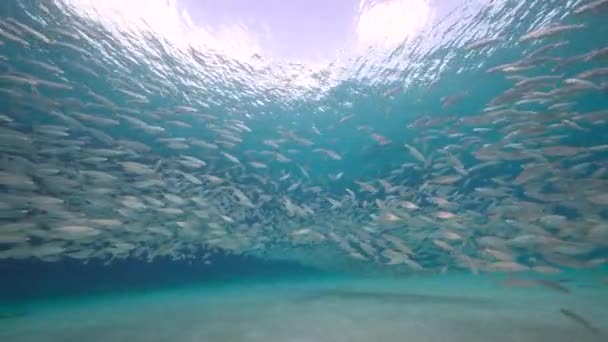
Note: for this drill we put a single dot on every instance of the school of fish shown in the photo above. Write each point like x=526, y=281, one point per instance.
x=110, y=172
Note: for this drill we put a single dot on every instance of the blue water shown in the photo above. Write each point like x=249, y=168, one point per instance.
x=224, y=270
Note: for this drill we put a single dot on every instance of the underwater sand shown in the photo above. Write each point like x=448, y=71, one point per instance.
x=409, y=309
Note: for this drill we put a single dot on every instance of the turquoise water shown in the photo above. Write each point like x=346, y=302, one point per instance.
x=454, y=307
x=448, y=184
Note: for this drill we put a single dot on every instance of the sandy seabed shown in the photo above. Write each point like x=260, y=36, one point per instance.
x=435, y=308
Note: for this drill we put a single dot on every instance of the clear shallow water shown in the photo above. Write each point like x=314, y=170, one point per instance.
x=441, y=308
x=157, y=183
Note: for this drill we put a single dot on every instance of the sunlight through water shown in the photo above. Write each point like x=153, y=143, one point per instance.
x=304, y=170
x=390, y=23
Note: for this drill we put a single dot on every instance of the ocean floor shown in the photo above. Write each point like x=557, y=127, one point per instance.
x=432, y=308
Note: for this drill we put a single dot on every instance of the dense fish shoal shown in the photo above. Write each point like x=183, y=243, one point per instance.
x=102, y=163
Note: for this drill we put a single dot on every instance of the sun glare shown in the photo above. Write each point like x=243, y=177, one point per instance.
x=167, y=20
x=389, y=23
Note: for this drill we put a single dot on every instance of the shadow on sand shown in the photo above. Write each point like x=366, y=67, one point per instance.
x=397, y=297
